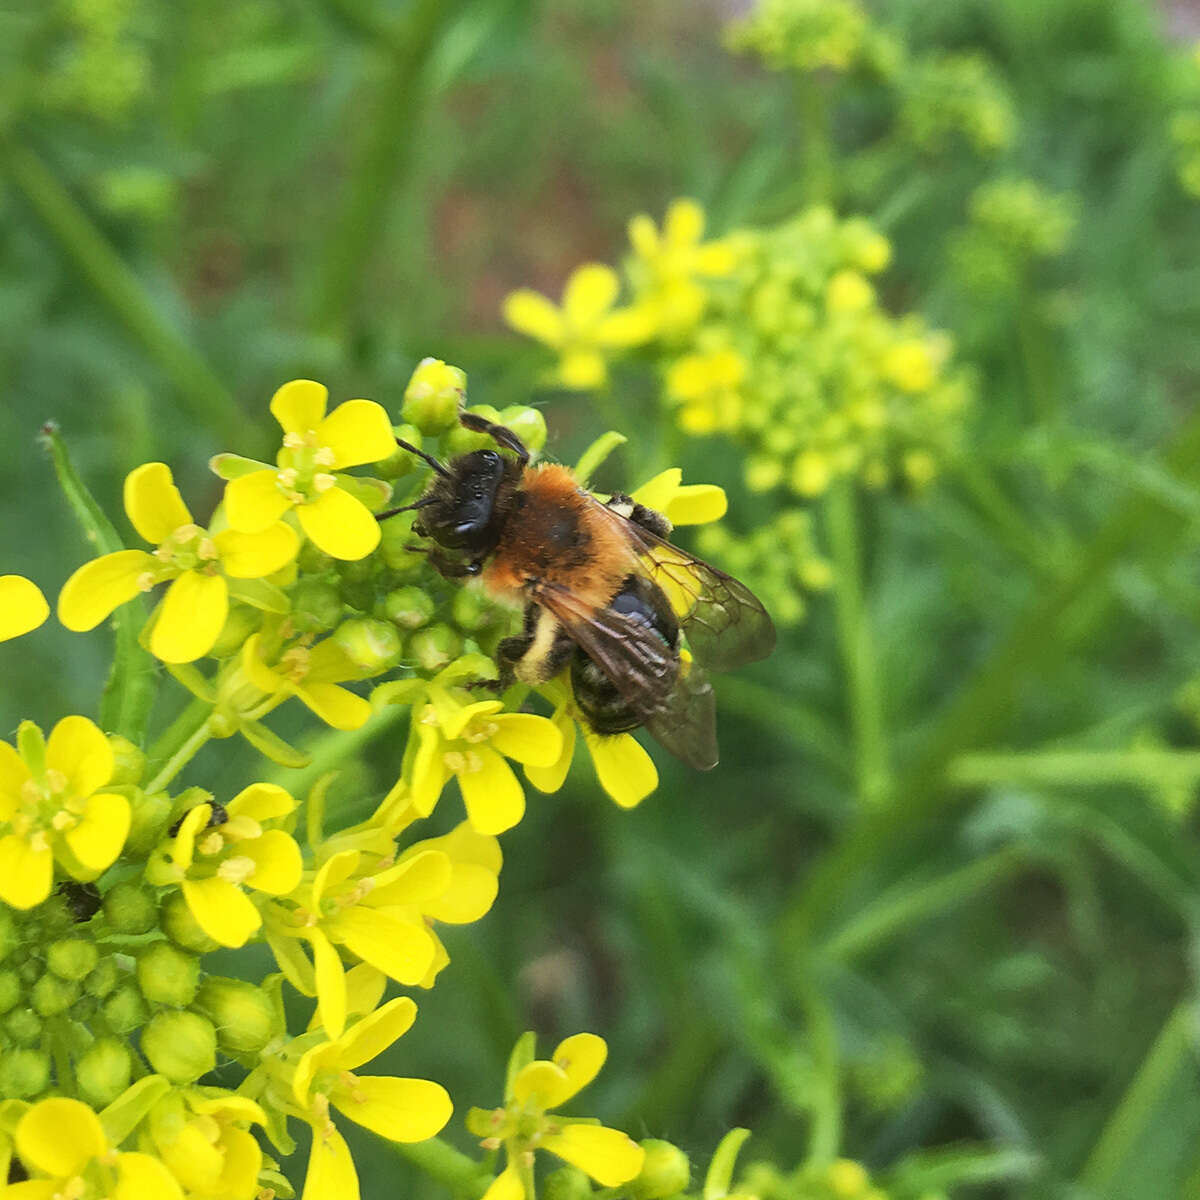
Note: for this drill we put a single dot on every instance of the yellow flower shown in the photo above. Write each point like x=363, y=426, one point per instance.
x=314, y=447
x=471, y=743
x=610, y=1157
x=584, y=327
x=849, y=292
x=197, y=563
x=202, y=1140
x=680, y=503
x=401, y=1110
x=212, y=863
x=707, y=389
x=312, y=675
x=910, y=366
x=623, y=768
x=668, y=264
x=22, y=606
x=64, y=1148
x=53, y=809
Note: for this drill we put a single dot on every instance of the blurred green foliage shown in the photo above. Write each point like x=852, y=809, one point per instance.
x=943, y=887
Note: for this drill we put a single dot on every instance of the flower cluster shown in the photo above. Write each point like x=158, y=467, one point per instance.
x=131, y=1066
x=804, y=35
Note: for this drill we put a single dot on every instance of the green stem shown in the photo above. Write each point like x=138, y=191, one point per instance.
x=441, y=1161
x=528, y=1181
x=891, y=913
x=132, y=681
x=85, y=247
x=1077, y=768
x=812, y=96
x=1171, y=1053
x=857, y=647
x=825, y=1133
x=389, y=135
x=179, y=743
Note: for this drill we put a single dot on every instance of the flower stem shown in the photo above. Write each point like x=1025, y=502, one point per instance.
x=94, y=259
x=825, y=1133
x=812, y=94
x=441, y=1161
x=1078, y=768
x=132, y=680
x=179, y=744
x=857, y=646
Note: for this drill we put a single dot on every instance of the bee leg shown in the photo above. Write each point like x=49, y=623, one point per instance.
x=639, y=514
x=500, y=434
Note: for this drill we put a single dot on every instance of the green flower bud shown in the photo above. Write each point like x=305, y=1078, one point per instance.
x=396, y=538
x=30, y=970
x=180, y=1045
x=471, y=609
x=409, y=607
x=103, y=979
x=316, y=606
x=370, y=644
x=434, y=647
x=665, y=1171
x=313, y=561
x=71, y=958
x=150, y=816
x=130, y=761
x=23, y=1026
x=51, y=995
x=182, y=928
x=168, y=975
x=527, y=423
x=10, y=990
x=403, y=461
x=131, y=908
x=241, y=621
x=103, y=1071
x=124, y=1010
x=243, y=1014
x=10, y=938
x=433, y=396
x=567, y=1183
x=23, y=1073
x=461, y=440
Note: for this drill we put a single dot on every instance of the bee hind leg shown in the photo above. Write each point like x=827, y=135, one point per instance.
x=648, y=518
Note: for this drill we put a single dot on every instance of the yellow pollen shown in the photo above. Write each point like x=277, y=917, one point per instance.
x=39, y=841
x=474, y=762
x=145, y=581
x=429, y=716
x=56, y=782
x=207, y=549
x=287, y=477
x=454, y=760
x=63, y=820
x=527, y=1158
x=324, y=457
x=490, y=1143
x=211, y=843
x=292, y=441
x=74, y=1189
x=30, y=792
x=185, y=534
x=164, y=553
x=322, y=482
x=237, y=870
x=481, y=731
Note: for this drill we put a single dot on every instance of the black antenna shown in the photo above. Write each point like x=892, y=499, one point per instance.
x=424, y=502
x=433, y=462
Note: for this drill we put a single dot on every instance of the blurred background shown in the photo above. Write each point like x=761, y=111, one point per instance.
x=936, y=910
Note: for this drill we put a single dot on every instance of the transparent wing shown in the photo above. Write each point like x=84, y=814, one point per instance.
x=672, y=699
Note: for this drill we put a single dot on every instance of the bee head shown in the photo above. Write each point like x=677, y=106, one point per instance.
x=464, y=508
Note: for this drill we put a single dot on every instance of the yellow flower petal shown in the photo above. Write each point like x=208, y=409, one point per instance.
x=371, y=1036
x=144, y=1177
x=492, y=793
x=607, y=1155
x=551, y=778
x=254, y=502
x=222, y=910
x=402, y=950
x=582, y=370
x=627, y=327
x=335, y=705
x=684, y=223
x=657, y=493
x=13, y=775
x=471, y=893
x=78, y=750
x=332, y=872
x=530, y=313
x=506, y=1186
x=25, y=873
x=527, y=738
x=364, y=988
x=697, y=504
x=33, y=1189
x=299, y=405
x=98, y=838
x=192, y=615
x=331, y=984
x=625, y=771
x=581, y=1058
x=101, y=586
x=153, y=503
x=429, y=771
x=416, y=879
x=331, y=1174
x=22, y=606
x=546, y=1081
x=60, y=1136
x=243, y=1161
x=357, y=432
x=590, y=293
x=340, y=524
x=253, y=555
x=261, y=802
x=278, y=864
x=716, y=258
x=401, y=1110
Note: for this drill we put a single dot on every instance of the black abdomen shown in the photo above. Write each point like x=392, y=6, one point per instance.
x=598, y=698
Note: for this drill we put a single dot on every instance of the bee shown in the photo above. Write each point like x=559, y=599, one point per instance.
x=638, y=621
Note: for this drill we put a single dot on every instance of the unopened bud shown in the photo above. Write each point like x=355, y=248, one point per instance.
x=9, y=937
x=129, y=761
x=103, y=1071
x=527, y=423
x=403, y=461
x=167, y=975
x=71, y=958
x=180, y=1045
x=461, y=440
x=23, y=1073
x=131, y=908
x=665, y=1171
x=10, y=990
x=471, y=609
x=243, y=1014
x=51, y=995
x=316, y=606
x=409, y=607
x=370, y=644
x=182, y=928
x=23, y=1026
x=567, y=1183
x=312, y=560
x=149, y=815
x=433, y=396
x=434, y=647
x=241, y=621
x=124, y=1010
x=103, y=979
